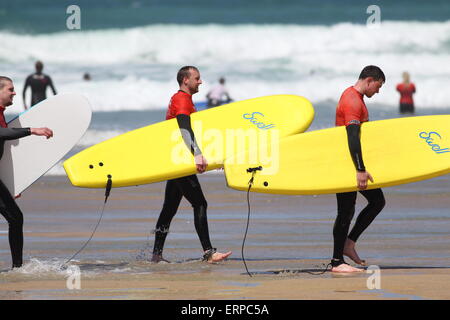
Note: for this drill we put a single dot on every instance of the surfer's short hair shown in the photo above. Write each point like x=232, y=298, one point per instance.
x=184, y=72
x=372, y=71
x=4, y=79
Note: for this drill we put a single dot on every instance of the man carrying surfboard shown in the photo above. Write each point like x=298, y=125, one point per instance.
x=8, y=206
x=181, y=107
x=351, y=112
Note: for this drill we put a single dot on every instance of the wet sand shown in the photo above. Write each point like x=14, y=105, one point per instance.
x=289, y=236
x=217, y=282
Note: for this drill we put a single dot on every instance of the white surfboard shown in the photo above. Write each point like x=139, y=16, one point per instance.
x=26, y=159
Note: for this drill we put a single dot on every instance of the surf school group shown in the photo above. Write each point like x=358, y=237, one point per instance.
x=351, y=113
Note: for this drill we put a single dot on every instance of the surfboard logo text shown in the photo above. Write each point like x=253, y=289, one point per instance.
x=255, y=118
x=430, y=138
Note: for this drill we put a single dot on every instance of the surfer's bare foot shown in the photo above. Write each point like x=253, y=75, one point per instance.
x=212, y=256
x=345, y=268
x=156, y=258
x=349, y=251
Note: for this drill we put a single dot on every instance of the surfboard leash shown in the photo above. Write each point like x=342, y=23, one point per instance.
x=319, y=272
x=250, y=184
x=107, y=192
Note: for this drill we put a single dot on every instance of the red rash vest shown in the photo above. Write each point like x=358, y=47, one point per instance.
x=351, y=108
x=406, y=93
x=180, y=103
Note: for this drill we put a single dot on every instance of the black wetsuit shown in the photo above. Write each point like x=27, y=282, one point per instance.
x=38, y=83
x=8, y=206
x=406, y=108
x=346, y=203
x=190, y=188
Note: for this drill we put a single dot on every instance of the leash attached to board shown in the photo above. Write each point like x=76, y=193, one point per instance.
x=250, y=184
x=107, y=192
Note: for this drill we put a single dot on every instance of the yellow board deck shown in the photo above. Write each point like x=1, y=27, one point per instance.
x=157, y=152
x=395, y=151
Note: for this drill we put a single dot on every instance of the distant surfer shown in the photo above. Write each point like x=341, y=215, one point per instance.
x=38, y=82
x=406, y=90
x=218, y=95
x=351, y=112
x=8, y=206
x=181, y=107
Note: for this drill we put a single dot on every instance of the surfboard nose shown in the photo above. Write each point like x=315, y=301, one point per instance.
x=87, y=174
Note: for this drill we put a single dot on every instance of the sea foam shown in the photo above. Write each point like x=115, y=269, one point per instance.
x=134, y=68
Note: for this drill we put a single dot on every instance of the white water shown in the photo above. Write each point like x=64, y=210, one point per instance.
x=135, y=68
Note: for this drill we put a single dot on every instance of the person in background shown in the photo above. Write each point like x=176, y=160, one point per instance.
x=38, y=82
x=406, y=90
x=217, y=93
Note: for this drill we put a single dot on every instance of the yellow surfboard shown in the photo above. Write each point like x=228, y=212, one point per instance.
x=395, y=151
x=157, y=152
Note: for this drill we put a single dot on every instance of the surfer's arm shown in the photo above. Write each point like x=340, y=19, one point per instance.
x=50, y=82
x=14, y=133
x=184, y=122
x=17, y=133
x=25, y=87
x=354, y=145
x=46, y=132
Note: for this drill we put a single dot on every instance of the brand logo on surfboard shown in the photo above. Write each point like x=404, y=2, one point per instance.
x=256, y=119
x=430, y=138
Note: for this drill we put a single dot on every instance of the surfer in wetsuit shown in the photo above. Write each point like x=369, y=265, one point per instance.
x=351, y=112
x=38, y=82
x=406, y=90
x=181, y=107
x=8, y=206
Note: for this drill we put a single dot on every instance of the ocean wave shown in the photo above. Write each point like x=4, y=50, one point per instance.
x=134, y=68
x=175, y=44
x=144, y=94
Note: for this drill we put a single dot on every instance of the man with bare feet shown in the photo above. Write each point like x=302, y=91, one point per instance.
x=351, y=112
x=8, y=206
x=181, y=107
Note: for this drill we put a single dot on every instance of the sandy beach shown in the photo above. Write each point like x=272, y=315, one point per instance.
x=288, y=244
x=132, y=51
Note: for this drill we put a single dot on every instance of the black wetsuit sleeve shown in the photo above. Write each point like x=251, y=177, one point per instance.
x=50, y=82
x=354, y=145
x=26, y=85
x=184, y=122
x=14, y=133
